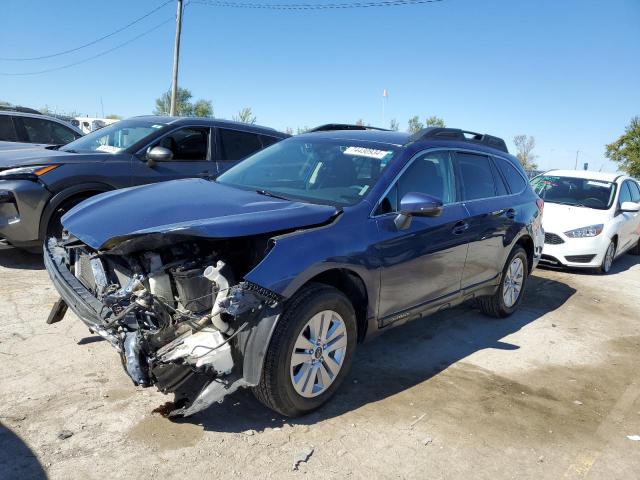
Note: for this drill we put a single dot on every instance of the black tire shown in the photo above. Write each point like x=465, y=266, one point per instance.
x=494, y=305
x=276, y=389
x=604, y=268
x=54, y=227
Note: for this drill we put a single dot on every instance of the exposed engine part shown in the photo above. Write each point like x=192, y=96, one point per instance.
x=206, y=348
x=221, y=286
x=159, y=282
x=132, y=353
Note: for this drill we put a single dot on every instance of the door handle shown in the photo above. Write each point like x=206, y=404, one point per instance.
x=460, y=227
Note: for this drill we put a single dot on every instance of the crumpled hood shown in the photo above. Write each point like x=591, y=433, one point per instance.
x=559, y=218
x=192, y=207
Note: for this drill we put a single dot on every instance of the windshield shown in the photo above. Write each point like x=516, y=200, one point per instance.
x=335, y=172
x=579, y=192
x=114, y=138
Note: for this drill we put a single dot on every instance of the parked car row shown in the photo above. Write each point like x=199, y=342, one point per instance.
x=23, y=129
x=268, y=276
x=268, y=258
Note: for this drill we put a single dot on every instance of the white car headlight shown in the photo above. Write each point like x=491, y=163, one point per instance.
x=30, y=172
x=590, y=231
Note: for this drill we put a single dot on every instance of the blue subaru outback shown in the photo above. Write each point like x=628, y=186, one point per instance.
x=269, y=276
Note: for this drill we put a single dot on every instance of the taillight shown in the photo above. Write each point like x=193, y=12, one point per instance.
x=540, y=204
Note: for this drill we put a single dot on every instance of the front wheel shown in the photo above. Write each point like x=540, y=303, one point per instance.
x=508, y=296
x=609, y=255
x=310, y=351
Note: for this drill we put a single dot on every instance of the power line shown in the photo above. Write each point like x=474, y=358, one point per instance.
x=104, y=37
x=123, y=44
x=311, y=6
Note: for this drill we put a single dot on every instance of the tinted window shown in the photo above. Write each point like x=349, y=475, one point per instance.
x=7, y=132
x=476, y=179
x=625, y=194
x=501, y=187
x=513, y=177
x=40, y=130
x=267, y=140
x=430, y=173
x=188, y=144
x=237, y=145
x=635, y=192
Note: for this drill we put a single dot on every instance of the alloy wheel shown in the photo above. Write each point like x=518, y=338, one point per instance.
x=608, y=257
x=318, y=354
x=512, y=283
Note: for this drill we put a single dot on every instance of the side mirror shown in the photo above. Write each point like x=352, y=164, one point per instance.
x=159, y=154
x=415, y=204
x=631, y=207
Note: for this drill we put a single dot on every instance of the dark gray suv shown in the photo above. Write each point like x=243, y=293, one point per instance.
x=37, y=186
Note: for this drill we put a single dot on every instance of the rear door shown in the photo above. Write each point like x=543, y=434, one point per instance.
x=233, y=145
x=491, y=214
x=191, y=148
x=423, y=264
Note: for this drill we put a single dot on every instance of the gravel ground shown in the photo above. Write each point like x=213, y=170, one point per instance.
x=552, y=392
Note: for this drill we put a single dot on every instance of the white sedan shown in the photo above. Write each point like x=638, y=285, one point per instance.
x=590, y=218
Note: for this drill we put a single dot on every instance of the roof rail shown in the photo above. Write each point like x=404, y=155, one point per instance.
x=344, y=126
x=460, y=135
x=17, y=108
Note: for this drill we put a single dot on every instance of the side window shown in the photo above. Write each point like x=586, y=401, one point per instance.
x=39, y=130
x=501, y=187
x=635, y=192
x=268, y=141
x=236, y=145
x=61, y=134
x=187, y=144
x=513, y=177
x=475, y=176
x=7, y=132
x=430, y=173
x=625, y=194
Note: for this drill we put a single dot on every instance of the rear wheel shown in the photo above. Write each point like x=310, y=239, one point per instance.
x=609, y=255
x=310, y=351
x=514, y=279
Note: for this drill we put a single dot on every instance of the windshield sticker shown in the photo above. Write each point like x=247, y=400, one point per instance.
x=157, y=126
x=367, y=152
x=595, y=183
x=108, y=149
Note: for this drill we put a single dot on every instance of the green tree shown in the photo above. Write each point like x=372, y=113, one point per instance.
x=393, y=125
x=434, y=121
x=414, y=125
x=524, y=146
x=184, y=106
x=245, y=115
x=113, y=116
x=626, y=149
x=4, y=104
x=300, y=130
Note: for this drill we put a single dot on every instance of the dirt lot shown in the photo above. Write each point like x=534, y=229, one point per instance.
x=552, y=392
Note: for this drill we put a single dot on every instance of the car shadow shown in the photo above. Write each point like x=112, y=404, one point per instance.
x=19, y=259
x=401, y=358
x=17, y=460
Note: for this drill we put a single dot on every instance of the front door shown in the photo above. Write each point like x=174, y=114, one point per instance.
x=191, y=157
x=628, y=232
x=422, y=264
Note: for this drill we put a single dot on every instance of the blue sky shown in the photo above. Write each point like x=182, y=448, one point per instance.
x=566, y=72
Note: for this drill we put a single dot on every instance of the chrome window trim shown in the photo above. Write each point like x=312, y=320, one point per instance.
x=440, y=149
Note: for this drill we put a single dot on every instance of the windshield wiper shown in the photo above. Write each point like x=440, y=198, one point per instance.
x=270, y=194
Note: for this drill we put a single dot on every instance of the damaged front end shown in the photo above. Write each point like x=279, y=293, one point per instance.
x=177, y=314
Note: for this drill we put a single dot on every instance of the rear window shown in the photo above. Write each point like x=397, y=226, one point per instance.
x=476, y=177
x=7, y=132
x=513, y=177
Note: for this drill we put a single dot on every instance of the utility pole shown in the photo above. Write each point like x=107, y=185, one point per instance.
x=576, y=165
x=176, y=57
